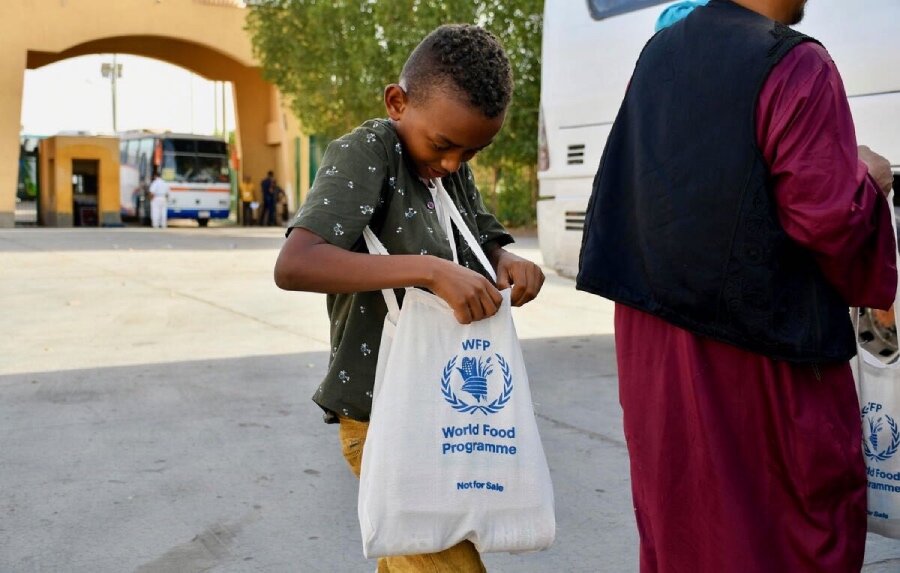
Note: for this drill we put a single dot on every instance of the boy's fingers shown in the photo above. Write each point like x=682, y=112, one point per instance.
x=463, y=315
x=519, y=292
x=496, y=297
x=502, y=278
x=477, y=308
x=486, y=305
x=536, y=282
x=532, y=280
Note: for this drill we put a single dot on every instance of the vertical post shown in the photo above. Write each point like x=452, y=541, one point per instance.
x=297, y=164
x=192, y=102
x=12, y=78
x=224, y=116
x=115, y=74
x=215, y=108
x=313, y=158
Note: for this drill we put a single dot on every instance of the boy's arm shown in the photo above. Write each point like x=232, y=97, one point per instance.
x=525, y=277
x=307, y=262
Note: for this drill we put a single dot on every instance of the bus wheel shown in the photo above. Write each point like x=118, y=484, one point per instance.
x=203, y=222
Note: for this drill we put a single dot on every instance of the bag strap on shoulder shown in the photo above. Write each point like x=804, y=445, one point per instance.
x=468, y=237
x=376, y=247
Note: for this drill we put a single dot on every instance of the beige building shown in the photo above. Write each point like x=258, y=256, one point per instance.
x=204, y=36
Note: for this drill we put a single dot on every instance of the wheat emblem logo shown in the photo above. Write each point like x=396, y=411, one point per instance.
x=475, y=374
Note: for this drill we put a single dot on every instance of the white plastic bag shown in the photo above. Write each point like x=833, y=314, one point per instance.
x=452, y=451
x=877, y=374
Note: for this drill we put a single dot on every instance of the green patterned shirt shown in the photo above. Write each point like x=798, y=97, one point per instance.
x=365, y=179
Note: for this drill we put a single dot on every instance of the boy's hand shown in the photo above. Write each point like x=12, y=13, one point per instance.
x=525, y=277
x=471, y=296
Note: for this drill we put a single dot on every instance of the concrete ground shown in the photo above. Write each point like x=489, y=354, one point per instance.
x=155, y=413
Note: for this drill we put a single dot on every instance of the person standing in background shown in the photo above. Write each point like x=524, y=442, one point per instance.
x=267, y=216
x=247, y=200
x=159, y=201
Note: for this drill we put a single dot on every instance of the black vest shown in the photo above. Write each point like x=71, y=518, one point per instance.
x=681, y=223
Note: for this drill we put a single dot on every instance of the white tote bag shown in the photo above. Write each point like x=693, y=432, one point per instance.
x=452, y=451
x=878, y=383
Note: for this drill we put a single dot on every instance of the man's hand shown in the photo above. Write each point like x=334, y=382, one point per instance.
x=879, y=168
x=471, y=296
x=525, y=277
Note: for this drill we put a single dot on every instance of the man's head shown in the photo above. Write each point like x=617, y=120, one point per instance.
x=798, y=8
x=452, y=98
x=787, y=12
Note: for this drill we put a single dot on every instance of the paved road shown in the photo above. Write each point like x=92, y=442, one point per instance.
x=155, y=413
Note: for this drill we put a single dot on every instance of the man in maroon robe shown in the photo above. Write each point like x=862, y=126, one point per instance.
x=743, y=461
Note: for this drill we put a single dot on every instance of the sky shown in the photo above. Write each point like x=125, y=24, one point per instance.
x=72, y=95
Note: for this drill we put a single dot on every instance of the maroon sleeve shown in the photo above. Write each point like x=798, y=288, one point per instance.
x=826, y=200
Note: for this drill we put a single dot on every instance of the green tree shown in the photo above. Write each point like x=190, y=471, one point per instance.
x=332, y=59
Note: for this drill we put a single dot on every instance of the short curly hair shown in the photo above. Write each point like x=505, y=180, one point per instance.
x=463, y=57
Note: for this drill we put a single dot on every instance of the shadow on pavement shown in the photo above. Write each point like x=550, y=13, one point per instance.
x=225, y=465
x=141, y=239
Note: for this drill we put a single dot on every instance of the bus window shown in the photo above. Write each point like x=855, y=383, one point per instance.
x=195, y=161
x=145, y=152
x=123, y=152
x=212, y=161
x=212, y=147
x=212, y=168
x=132, y=158
x=180, y=146
x=179, y=167
x=605, y=8
x=146, y=147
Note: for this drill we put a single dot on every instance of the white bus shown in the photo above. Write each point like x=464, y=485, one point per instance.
x=589, y=51
x=195, y=166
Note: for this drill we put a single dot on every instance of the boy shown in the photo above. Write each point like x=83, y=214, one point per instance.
x=449, y=104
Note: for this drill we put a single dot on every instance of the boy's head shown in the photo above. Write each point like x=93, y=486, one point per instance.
x=452, y=98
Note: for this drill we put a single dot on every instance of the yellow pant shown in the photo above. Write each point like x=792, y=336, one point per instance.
x=461, y=558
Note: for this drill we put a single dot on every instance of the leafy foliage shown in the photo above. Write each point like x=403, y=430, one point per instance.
x=333, y=58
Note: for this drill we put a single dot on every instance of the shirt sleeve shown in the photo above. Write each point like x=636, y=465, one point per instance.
x=347, y=189
x=489, y=228
x=825, y=198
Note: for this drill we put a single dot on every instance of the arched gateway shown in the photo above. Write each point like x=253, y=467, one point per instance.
x=204, y=36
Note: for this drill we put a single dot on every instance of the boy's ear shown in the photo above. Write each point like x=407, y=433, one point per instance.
x=395, y=101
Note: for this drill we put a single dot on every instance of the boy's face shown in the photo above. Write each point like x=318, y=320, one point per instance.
x=440, y=132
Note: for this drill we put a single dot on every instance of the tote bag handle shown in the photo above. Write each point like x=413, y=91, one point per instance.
x=468, y=237
x=376, y=247
x=390, y=297
x=867, y=356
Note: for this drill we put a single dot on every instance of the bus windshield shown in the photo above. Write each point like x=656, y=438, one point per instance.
x=605, y=8
x=195, y=161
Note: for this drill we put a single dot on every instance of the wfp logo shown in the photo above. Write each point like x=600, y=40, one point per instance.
x=474, y=377
x=877, y=434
